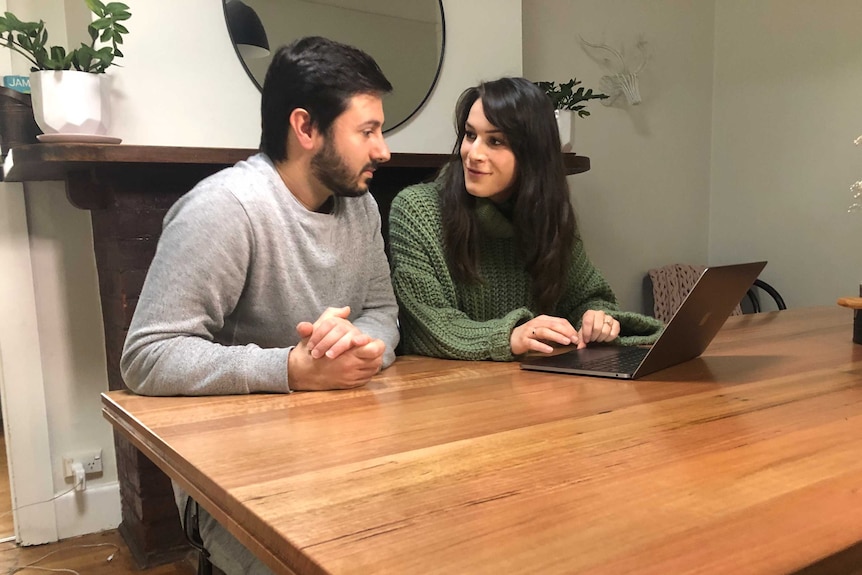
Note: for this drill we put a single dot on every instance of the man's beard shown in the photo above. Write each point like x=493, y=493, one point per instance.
x=330, y=169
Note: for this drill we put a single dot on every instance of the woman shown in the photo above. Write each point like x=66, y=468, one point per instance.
x=486, y=261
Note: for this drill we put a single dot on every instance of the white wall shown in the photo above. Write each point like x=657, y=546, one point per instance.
x=204, y=99
x=25, y=418
x=645, y=200
x=787, y=108
x=208, y=100
x=374, y=29
x=72, y=344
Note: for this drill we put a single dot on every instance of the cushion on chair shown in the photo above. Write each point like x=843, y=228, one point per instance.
x=671, y=284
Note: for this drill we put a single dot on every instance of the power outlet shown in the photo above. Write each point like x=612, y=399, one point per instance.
x=91, y=460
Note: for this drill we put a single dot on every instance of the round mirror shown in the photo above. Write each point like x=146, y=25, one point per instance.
x=405, y=37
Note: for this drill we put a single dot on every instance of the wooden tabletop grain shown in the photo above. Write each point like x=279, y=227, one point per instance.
x=746, y=460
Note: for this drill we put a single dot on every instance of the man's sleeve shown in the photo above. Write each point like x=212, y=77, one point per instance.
x=194, y=282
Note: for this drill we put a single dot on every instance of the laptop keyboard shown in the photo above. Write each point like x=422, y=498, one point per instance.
x=626, y=361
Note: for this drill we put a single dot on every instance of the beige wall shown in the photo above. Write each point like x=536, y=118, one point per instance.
x=645, y=201
x=787, y=108
x=741, y=150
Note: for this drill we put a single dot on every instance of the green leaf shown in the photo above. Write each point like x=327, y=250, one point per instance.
x=58, y=53
x=26, y=42
x=118, y=11
x=101, y=23
x=566, y=97
x=96, y=7
x=84, y=57
x=120, y=28
x=13, y=20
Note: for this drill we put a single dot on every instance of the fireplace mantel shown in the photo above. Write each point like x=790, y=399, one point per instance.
x=41, y=162
x=88, y=168
x=128, y=189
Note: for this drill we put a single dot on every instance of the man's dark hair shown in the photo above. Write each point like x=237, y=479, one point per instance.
x=318, y=75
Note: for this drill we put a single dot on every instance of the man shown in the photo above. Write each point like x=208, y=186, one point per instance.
x=270, y=276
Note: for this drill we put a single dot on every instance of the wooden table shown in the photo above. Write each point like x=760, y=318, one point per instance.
x=746, y=460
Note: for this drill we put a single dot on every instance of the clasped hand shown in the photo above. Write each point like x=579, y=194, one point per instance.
x=333, y=354
x=538, y=333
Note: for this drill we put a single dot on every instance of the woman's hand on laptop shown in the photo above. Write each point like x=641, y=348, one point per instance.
x=597, y=326
x=538, y=333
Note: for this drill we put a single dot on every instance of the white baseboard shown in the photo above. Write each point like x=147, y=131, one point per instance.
x=82, y=512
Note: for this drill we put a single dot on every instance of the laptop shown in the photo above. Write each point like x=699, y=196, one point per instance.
x=701, y=314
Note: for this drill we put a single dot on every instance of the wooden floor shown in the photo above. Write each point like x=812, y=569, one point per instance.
x=85, y=554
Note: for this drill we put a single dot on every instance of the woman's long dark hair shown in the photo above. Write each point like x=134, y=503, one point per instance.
x=543, y=218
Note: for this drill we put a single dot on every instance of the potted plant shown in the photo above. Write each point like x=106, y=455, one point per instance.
x=567, y=102
x=69, y=88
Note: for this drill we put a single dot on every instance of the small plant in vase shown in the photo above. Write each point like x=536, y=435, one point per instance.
x=569, y=101
x=565, y=97
x=69, y=87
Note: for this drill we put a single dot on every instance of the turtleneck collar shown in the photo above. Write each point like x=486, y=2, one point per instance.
x=495, y=220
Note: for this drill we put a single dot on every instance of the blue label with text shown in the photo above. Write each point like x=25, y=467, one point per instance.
x=17, y=83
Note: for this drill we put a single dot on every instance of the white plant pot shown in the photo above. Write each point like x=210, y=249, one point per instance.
x=71, y=102
x=566, y=126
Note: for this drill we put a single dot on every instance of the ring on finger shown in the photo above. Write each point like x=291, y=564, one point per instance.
x=609, y=320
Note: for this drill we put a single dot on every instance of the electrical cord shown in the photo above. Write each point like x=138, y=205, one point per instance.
x=79, y=483
x=32, y=565
x=68, y=491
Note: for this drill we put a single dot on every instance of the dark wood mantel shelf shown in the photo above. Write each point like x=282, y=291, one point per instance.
x=128, y=189
x=40, y=162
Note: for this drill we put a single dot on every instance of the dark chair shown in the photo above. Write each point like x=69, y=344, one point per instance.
x=665, y=288
x=753, y=305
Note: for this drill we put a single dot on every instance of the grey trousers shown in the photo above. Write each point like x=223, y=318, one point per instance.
x=226, y=552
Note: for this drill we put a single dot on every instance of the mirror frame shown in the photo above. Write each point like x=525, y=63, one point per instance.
x=415, y=109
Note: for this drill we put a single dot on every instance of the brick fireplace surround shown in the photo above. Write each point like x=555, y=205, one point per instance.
x=128, y=189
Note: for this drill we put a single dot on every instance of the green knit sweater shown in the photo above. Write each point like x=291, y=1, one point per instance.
x=444, y=318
